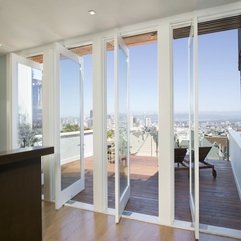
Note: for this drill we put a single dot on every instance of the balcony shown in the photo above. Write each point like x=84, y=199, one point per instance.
x=220, y=203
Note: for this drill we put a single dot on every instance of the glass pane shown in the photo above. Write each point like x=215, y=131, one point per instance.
x=69, y=121
x=123, y=120
x=110, y=125
x=29, y=106
x=191, y=117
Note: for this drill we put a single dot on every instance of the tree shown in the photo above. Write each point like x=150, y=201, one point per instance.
x=110, y=134
x=26, y=135
x=70, y=128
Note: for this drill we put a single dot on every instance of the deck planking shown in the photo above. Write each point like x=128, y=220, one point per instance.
x=219, y=200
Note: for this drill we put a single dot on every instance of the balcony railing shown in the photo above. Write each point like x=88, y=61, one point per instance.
x=70, y=146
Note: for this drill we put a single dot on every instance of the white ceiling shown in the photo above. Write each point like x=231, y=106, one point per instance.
x=30, y=23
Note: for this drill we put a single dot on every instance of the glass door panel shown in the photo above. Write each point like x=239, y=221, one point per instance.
x=122, y=177
x=70, y=170
x=28, y=101
x=70, y=118
x=193, y=128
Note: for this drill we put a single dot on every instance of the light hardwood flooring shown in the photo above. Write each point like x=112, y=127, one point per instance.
x=71, y=224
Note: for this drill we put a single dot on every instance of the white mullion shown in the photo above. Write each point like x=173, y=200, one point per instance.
x=196, y=128
x=116, y=97
x=99, y=127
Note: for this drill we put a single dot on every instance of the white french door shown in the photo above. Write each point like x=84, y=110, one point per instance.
x=193, y=126
x=69, y=175
x=122, y=168
x=24, y=103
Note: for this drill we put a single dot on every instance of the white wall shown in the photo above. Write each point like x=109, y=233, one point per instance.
x=3, y=109
x=234, y=155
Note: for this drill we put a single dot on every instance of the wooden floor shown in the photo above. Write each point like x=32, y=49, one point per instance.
x=144, y=192
x=71, y=224
x=219, y=201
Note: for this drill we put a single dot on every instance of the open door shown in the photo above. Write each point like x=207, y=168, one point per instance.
x=193, y=127
x=25, y=96
x=122, y=169
x=69, y=175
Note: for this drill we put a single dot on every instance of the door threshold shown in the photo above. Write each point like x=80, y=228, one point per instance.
x=76, y=204
x=136, y=216
x=209, y=229
x=141, y=217
x=227, y=232
x=110, y=211
x=182, y=225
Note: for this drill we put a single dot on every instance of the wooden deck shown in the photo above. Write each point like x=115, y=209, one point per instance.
x=144, y=189
x=219, y=201
x=144, y=186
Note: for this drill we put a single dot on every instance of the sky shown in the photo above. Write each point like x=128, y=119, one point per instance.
x=219, y=78
x=69, y=88
x=142, y=83
x=142, y=79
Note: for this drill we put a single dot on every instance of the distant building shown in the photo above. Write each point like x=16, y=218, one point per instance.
x=134, y=120
x=90, y=123
x=148, y=122
x=37, y=98
x=131, y=122
x=110, y=124
x=91, y=114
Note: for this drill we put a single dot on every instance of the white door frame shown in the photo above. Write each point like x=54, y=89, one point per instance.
x=193, y=110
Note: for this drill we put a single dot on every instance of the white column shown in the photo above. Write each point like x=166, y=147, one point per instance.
x=166, y=138
x=3, y=103
x=49, y=121
x=99, y=127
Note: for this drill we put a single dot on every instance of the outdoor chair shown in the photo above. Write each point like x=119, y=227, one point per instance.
x=111, y=152
x=179, y=156
x=203, y=152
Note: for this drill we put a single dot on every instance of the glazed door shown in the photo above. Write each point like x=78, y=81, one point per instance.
x=193, y=127
x=26, y=99
x=122, y=172
x=70, y=178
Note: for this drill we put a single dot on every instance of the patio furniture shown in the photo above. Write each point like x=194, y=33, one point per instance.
x=179, y=156
x=203, y=152
x=111, y=152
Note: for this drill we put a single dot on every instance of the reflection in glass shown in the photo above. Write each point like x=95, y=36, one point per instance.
x=123, y=120
x=69, y=121
x=29, y=106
